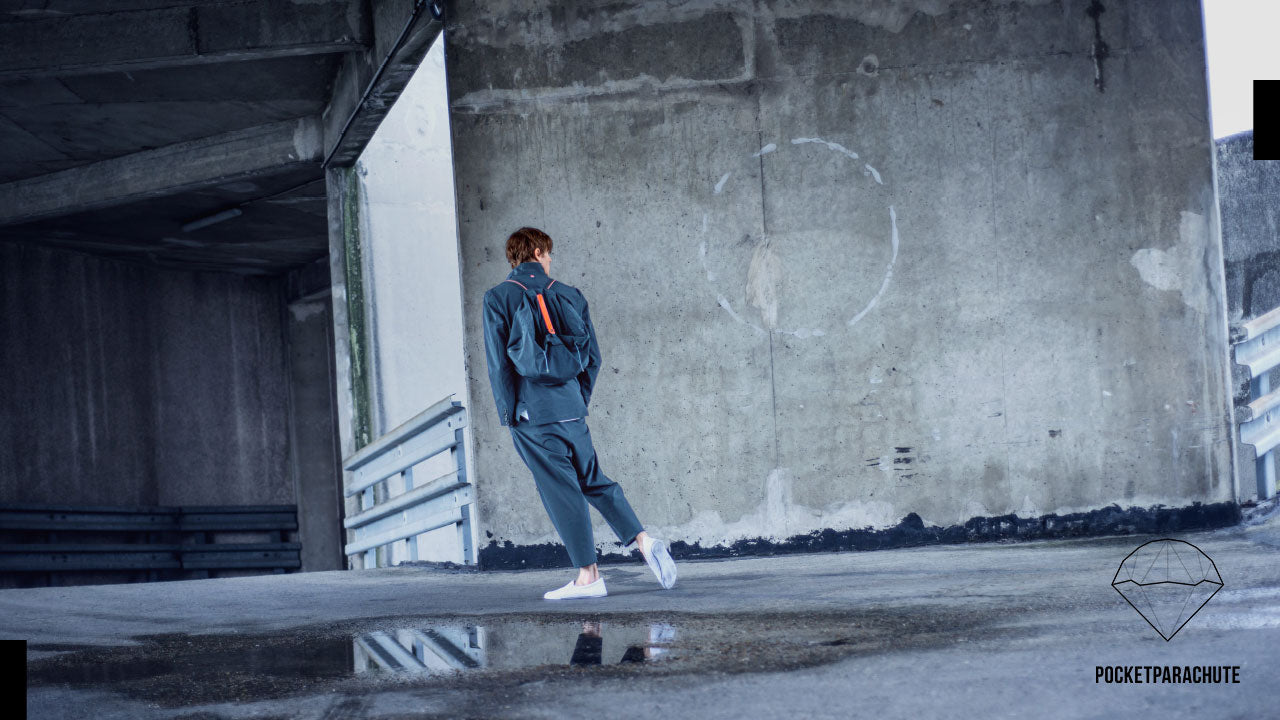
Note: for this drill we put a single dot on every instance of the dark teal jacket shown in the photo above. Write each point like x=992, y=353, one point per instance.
x=513, y=392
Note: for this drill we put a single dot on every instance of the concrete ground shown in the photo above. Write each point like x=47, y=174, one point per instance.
x=985, y=630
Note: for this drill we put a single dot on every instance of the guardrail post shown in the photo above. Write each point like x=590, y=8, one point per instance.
x=464, y=528
x=1266, y=466
x=411, y=543
x=366, y=503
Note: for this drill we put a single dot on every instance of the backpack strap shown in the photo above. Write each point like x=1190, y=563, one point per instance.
x=542, y=305
x=545, y=317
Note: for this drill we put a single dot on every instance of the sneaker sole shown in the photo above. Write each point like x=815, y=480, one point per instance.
x=660, y=562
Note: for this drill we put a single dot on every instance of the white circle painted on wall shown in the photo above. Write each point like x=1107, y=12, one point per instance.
x=800, y=249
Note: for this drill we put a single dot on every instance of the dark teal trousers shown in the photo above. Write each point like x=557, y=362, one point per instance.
x=568, y=475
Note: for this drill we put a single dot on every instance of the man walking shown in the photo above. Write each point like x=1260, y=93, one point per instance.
x=549, y=428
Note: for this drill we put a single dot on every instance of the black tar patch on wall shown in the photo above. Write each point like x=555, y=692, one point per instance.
x=1111, y=520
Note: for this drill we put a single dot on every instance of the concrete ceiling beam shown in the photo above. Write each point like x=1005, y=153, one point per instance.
x=35, y=9
x=164, y=171
x=370, y=81
x=185, y=35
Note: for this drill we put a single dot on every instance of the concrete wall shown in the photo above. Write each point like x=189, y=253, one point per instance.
x=858, y=269
x=125, y=384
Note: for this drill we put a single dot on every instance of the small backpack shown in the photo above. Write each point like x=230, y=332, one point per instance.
x=539, y=352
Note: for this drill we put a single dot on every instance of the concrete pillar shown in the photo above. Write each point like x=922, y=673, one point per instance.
x=313, y=436
x=350, y=380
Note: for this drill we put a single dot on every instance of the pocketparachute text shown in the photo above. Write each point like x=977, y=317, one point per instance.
x=1157, y=674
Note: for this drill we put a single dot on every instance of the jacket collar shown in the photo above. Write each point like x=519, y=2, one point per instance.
x=524, y=270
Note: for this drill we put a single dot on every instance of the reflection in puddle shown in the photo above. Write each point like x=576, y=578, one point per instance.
x=487, y=655
x=264, y=664
x=444, y=648
x=589, y=650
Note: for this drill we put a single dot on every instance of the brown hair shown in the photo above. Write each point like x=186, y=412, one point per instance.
x=523, y=242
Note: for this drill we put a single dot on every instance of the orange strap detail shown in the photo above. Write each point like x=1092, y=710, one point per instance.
x=545, y=317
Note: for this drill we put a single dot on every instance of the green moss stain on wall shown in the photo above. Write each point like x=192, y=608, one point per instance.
x=356, y=326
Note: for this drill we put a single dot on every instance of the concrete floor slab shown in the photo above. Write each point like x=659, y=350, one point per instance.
x=991, y=630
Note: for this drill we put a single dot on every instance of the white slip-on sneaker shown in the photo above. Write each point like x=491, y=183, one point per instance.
x=590, y=590
x=659, y=560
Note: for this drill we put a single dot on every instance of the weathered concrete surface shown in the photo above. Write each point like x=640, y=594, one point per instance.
x=128, y=385
x=980, y=630
x=1009, y=301
x=314, y=465
x=147, y=107
x=123, y=123
x=70, y=41
x=223, y=159
x=369, y=82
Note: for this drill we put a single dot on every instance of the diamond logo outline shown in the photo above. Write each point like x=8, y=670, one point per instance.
x=1166, y=567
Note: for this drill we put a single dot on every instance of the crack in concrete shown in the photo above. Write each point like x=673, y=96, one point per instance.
x=1100, y=51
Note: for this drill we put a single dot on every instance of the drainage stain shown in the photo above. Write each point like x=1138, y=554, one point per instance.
x=486, y=653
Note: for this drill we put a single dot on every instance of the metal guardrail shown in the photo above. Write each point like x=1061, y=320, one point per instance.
x=56, y=538
x=1257, y=347
x=444, y=500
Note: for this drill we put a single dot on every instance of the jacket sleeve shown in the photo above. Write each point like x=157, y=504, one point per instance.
x=587, y=378
x=502, y=374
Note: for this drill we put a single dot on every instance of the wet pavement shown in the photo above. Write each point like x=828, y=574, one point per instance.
x=997, y=630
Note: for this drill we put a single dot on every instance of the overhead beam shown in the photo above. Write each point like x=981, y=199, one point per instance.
x=370, y=81
x=163, y=171
x=170, y=36
x=30, y=9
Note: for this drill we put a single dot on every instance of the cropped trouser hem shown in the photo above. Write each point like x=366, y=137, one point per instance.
x=568, y=477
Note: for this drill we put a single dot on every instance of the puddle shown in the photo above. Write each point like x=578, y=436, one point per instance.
x=490, y=652
x=202, y=668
